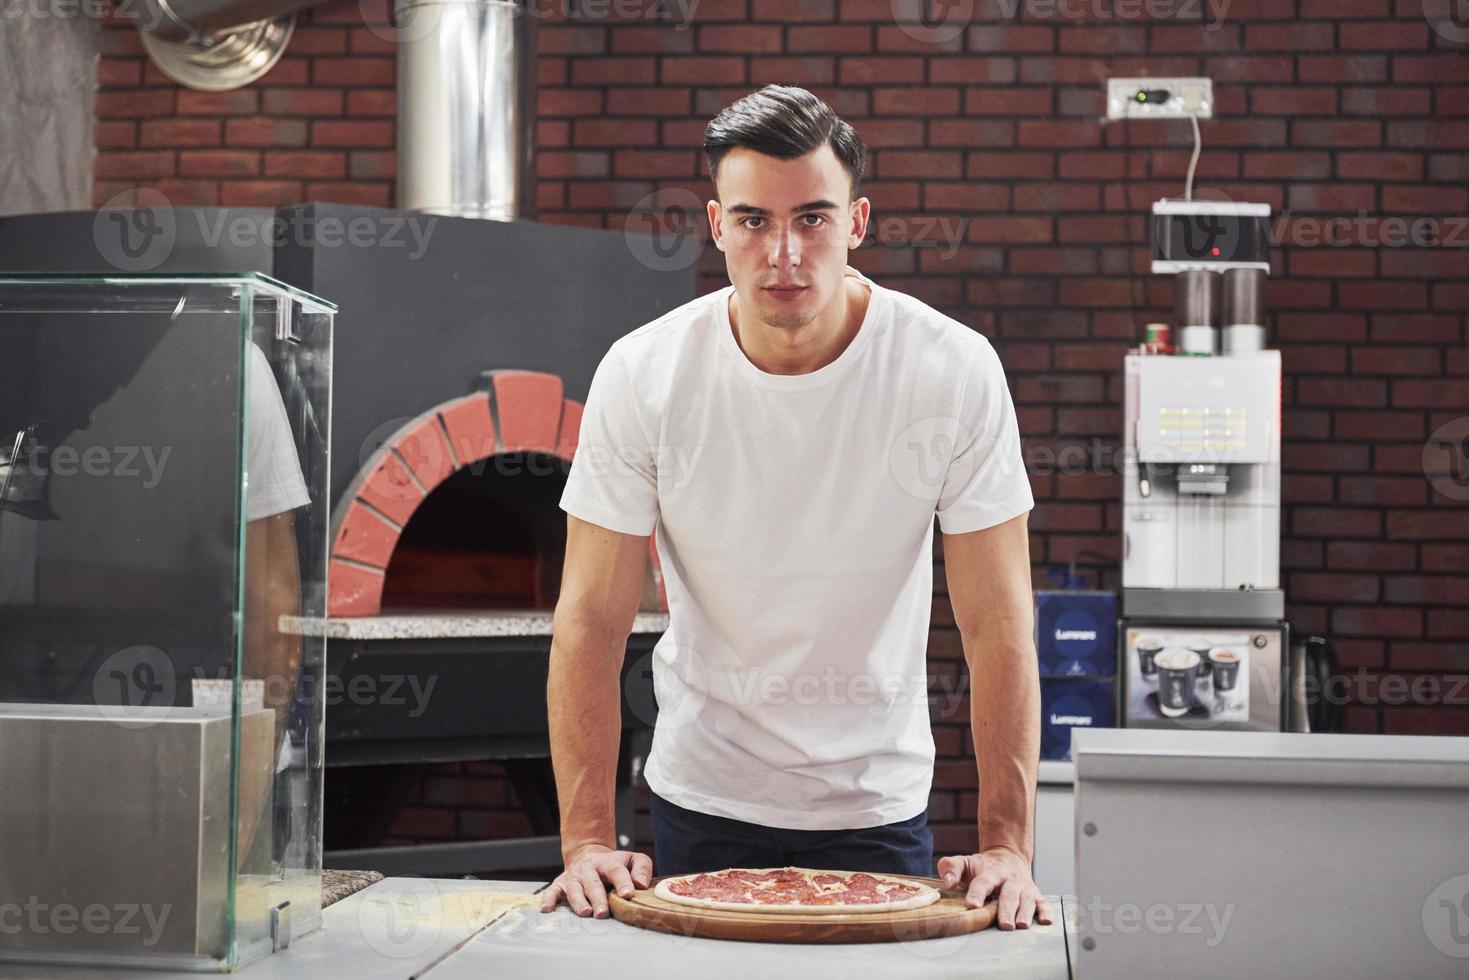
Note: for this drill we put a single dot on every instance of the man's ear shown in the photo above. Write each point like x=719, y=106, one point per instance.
x=861, y=211
x=716, y=232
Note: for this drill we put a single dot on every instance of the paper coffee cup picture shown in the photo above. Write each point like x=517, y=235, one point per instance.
x=1188, y=675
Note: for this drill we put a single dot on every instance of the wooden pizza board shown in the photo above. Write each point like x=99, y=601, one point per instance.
x=949, y=916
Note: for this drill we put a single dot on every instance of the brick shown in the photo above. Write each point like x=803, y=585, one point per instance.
x=1007, y=101
x=1428, y=525
x=350, y=134
x=739, y=38
x=1338, y=132
x=1426, y=590
x=1433, y=134
x=648, y=101
x=1410, y=328
x=305, y=163
x=569, y=102
x=1426, y=200
x=301, y=102
x=885, y=70
x=240, y=102
x=1293, y=37
x=1380, y=166
x=179, y=132
x=1294, y=101
x=574, y=39
x=971, y=70
x=372, y=102
x=470, y=431
x=1378, y=621
x=119, y=134
x=617, y=71
x=985, y=229
x=616, y=132
x=1012, y=39
x=1343, y=68
x=926, y=164
x=259, y=193
x=1332, y=197
x=132, y=165
x=369, y=72
x=1334, y=588
x=354, y=590
x=652, y=163
x=1448, y=393
x=658, y=40
x=1053, y=133
x=1387, y=101
x=1368, y=426
x=134, y=103
x=1382, y=295
x=1438, y=657
x=916, y=101
x=837, y=40
x=262, y=131
x=783, y=70
x=1385, y=35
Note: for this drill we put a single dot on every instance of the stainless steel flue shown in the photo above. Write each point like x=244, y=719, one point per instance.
x=466, y=91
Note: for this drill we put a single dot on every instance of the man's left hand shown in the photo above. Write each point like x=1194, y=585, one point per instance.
x=998, y=868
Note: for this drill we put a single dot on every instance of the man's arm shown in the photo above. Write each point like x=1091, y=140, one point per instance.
x=272, y=590
x=989, y=588
x=601, y=585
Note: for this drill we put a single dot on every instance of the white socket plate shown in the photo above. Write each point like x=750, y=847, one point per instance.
x=1191, y=97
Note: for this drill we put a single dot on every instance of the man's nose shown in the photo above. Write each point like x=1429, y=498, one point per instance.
x=785, y=249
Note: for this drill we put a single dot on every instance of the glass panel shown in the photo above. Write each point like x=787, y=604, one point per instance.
x=163, y=502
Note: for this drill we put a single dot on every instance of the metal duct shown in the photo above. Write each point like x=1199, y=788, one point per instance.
x=196, y=20
x=466, y=91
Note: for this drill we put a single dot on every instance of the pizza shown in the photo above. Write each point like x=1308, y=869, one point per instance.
x=796, y=890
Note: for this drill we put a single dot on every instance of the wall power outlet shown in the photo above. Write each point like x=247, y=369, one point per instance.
x=1159, y=98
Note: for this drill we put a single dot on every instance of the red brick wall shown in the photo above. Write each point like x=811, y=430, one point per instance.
x=999, y=127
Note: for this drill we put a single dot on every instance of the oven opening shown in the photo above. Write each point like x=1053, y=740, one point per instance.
x=491, y=536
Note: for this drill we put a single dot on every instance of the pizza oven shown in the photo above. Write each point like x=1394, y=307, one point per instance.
x=458, y=508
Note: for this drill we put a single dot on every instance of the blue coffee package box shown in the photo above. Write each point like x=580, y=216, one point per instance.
x=1068, y=703
x=1076, y=633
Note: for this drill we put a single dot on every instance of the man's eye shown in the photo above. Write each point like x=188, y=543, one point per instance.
x=816, y=220
x=747, y=222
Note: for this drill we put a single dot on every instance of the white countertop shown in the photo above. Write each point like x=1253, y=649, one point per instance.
x=444, y=929
x=445, y=624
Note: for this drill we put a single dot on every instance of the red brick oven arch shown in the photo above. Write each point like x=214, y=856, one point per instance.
x=520, y=412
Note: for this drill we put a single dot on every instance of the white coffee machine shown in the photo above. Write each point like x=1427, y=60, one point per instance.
x=1203, y=639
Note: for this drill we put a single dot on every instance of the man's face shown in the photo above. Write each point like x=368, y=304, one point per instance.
x=785, y=227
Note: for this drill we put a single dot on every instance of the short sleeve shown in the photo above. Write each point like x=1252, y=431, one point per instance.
x=614, y=478
x=986, y=483
x=275, y=483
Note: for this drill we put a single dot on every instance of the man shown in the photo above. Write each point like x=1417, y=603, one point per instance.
x=790, y=439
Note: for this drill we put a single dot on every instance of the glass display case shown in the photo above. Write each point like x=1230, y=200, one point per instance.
x=164, y=510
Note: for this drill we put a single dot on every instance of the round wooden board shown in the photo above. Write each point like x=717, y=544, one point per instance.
x=949, y=916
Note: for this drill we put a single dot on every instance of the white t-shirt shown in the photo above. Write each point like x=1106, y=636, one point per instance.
x=794, y=518
x=274, y=482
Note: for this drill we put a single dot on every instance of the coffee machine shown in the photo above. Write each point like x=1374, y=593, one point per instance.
x=1202, y=635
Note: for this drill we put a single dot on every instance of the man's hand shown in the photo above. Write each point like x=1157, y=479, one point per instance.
x=587, y=868
x=999, y=868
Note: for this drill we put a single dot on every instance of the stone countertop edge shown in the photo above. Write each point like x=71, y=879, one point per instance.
x=443, y=625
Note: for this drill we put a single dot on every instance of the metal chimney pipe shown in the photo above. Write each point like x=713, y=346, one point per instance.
x=466, y=105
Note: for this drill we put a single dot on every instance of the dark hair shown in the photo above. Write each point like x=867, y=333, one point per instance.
x=784, y=122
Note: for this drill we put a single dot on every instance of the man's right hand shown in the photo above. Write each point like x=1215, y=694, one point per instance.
x=589, y=870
